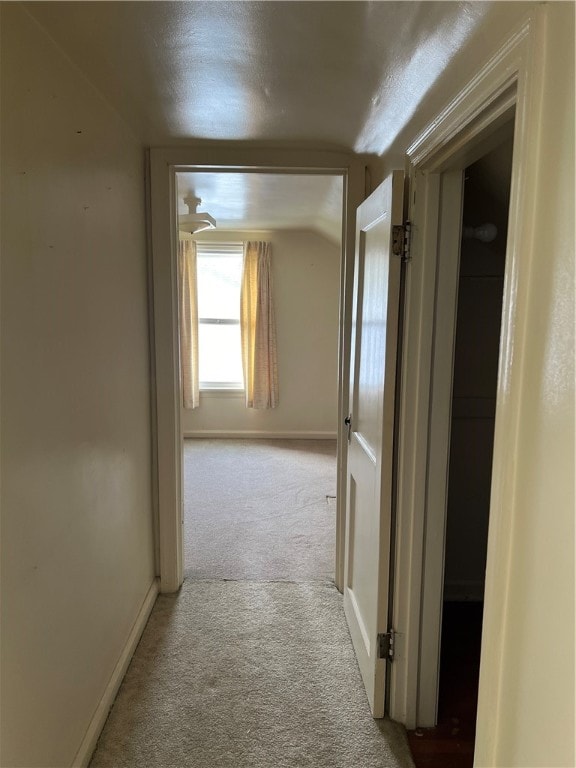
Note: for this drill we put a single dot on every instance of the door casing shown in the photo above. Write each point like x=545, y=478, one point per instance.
x=163, y=164
x=471, y=125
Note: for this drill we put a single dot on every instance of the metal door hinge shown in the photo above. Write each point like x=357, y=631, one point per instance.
x=401, y=241
x=348, y=422
x=407, y=256
x=386, y=645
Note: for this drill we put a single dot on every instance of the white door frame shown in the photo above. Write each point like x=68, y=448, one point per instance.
x=468, y=128
x=163, y=165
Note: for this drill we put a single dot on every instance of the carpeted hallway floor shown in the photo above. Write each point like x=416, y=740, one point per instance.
x=250, y=665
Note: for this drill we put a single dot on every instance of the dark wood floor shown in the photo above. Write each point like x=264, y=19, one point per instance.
x=451, y=743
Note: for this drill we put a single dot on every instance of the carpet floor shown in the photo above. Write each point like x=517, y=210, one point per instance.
x=248, y=671
x=260, y=509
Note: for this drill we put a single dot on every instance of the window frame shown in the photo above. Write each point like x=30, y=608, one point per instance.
x=215, y=250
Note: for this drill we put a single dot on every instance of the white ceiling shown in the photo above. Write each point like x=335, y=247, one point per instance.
x=345, y=74
x=266, y=201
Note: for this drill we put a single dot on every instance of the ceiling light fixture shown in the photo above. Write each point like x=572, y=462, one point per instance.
x=195, y=221
x=486, y=233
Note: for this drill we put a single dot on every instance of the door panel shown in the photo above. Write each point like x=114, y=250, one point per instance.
x=370, y=459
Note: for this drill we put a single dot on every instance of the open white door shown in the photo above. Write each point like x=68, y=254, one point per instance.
x=371, y=431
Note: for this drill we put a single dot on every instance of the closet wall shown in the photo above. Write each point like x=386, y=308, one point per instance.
x=486, y=199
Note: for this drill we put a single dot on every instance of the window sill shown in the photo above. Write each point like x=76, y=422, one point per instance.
x=222, y=393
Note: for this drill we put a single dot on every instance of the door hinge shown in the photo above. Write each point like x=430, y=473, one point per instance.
x=348, y=422
x=386, y=645
x=401, y=241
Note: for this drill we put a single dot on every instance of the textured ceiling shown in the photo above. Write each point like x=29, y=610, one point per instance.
x=284, y=71
x=346, y=74
x=266, y=201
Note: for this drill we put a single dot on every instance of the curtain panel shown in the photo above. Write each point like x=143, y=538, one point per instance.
x=258, y=329
x=188, y=324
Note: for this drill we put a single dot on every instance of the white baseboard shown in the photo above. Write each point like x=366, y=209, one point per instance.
x=241, y=433
x=100, y=715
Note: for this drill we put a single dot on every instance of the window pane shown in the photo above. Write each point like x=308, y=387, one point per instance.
x=219, y=286
x=220, y=357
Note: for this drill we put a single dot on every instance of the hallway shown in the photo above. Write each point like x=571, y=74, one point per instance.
x=251, y=664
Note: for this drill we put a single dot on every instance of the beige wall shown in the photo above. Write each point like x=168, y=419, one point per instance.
x=77, y=551
x=306, y=275
x=527, y=694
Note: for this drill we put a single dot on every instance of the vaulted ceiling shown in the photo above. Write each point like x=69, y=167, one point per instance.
x=345, y=74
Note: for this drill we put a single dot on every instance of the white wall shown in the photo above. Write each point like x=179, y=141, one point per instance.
x=526, y=707
x=306, y=275
x=77, y=548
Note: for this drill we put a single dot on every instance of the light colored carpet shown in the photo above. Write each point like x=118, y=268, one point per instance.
x=247, y=675
x=260, y=509
x=250, y=665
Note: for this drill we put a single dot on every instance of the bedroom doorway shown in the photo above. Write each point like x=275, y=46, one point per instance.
x=164, y=166
x=259, y=503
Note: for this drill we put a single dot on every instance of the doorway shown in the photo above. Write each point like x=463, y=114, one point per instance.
x=473, y=390
x=163, y=166
x=299, y=218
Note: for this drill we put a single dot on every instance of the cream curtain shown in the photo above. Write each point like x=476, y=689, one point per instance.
x=188, y=324
x=258, y=329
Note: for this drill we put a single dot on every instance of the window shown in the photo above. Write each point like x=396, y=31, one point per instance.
x=219, y=275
